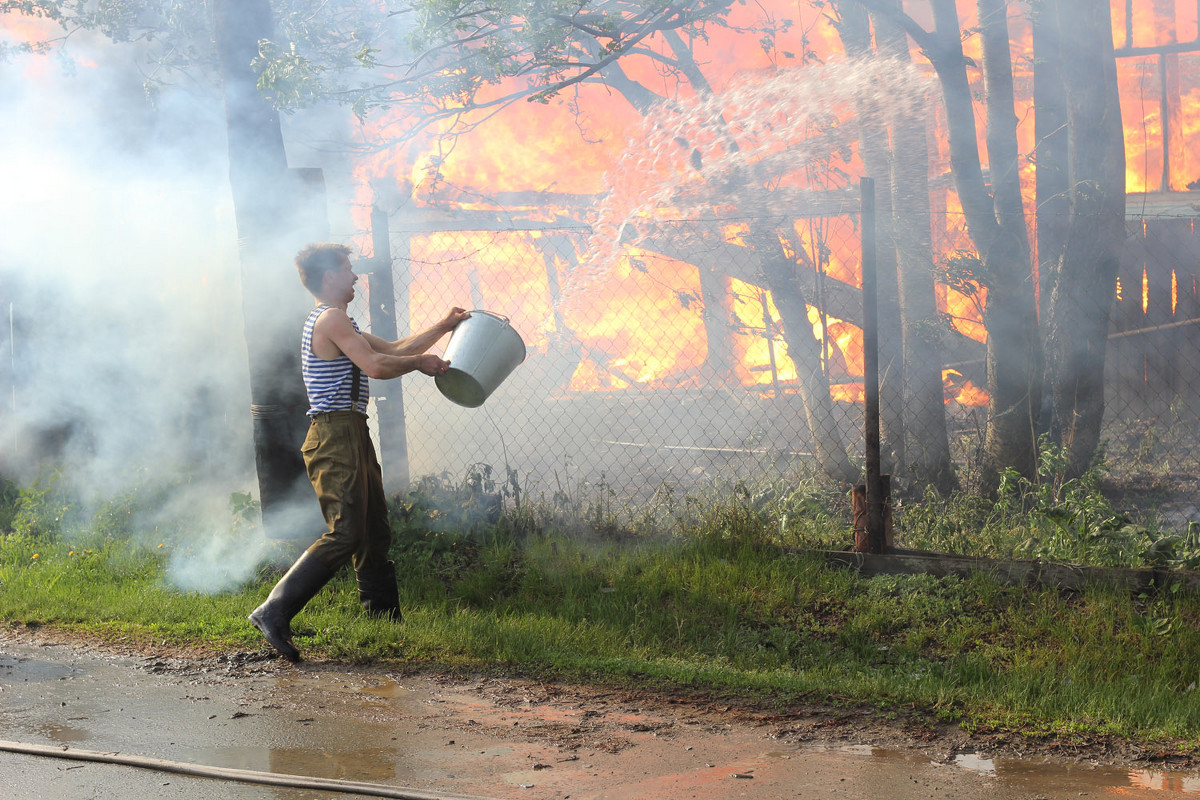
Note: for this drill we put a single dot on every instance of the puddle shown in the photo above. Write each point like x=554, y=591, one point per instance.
x=32, y=670
x=855, y=750
x=62, y=734
x=1031, y=778
x=373, y=765
x=1099, y=780
x=385, y=688
x=975, y=763
x=1049, y=779
x=388, y=689
x=1165, y=781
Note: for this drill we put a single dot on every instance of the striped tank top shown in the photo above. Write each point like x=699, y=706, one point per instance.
x=329, y=383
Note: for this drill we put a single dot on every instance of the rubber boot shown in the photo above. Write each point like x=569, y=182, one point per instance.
x=274, y=617
x=378, y=591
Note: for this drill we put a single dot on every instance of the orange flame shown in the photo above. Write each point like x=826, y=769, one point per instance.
x=538, y=148
x=960, y=390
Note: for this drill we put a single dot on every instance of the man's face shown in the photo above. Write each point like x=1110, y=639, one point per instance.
x=339, y=284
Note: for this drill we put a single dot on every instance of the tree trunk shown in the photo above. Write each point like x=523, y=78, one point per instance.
x=995, y=221
x=928, y=449
x=1084, y=282
x=1051, y=195
x=715, y=293
x=273, y=302
x=1014, y=345
x=779, y=273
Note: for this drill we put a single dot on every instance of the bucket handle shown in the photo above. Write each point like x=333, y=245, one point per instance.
x=501, y=317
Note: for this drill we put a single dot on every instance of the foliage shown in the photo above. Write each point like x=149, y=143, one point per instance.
x=440, y=61
x=10, y=494
x=439, y=503
x=175, y=41
x=246, y=511
x=776, y=513
x=1050, y=518
x=965, y=273
x=289, y=79
x=441, y=526
x=434, y=58
x=42, y=509
x=173, y=36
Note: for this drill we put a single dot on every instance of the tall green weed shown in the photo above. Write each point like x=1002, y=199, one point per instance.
x=1053, y=517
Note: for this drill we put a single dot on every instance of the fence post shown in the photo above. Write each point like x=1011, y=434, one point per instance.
x=874, y=489
x=389, y=401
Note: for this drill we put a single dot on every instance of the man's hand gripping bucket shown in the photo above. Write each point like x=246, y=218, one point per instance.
x=483, y=350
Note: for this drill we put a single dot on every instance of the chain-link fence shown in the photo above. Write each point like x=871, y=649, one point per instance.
x=1152, y=376
x=620, y=384
x=676, y=364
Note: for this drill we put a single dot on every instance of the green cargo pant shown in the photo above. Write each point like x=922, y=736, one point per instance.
x=346, y=475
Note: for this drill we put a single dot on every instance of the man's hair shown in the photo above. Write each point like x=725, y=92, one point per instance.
x=315, y=260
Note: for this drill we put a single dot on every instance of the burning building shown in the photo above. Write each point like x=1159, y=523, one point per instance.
x=666, y=357
x=662, y=345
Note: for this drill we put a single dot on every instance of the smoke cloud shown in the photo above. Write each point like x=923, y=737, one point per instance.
x=122, y=355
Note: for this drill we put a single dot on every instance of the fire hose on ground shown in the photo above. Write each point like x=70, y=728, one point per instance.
x=231, y=774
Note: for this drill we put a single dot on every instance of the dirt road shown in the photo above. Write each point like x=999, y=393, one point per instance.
x=475, y=736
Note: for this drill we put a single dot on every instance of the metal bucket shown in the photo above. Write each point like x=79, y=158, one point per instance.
x=483, y=350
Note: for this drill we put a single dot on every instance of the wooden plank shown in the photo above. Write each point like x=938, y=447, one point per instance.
x=1125, y=365
x=1161, y=368
x=1178, y=339
x=1188, y=270
x=1037, y=574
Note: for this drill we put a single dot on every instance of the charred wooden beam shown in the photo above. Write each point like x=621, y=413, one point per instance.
x=842, y=300
x=1159, y=50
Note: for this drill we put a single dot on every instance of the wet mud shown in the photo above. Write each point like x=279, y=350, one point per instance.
x=491, y=737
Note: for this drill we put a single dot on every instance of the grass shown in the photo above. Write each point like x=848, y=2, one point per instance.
x=698, y=595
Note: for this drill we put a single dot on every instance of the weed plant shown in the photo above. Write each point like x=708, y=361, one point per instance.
x=1051, y=518
x=722, y=595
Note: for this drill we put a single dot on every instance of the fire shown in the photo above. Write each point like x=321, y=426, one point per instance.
x=482, y=274
x=505, y=158
x=848, y=392
x=964, y=308
x=761, y=350
x=41, y=35
x=26, y=29
x=960, y=390
x=665, y=349
x=846, y=355
x=1142, y=80
x=34, y=33
x=534, y=148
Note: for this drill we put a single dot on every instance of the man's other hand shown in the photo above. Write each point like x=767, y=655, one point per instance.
x=432, y=365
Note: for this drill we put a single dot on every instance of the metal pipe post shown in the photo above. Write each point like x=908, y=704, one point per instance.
x=874, y=489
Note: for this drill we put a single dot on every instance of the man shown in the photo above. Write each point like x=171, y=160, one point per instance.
x=337, y=361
